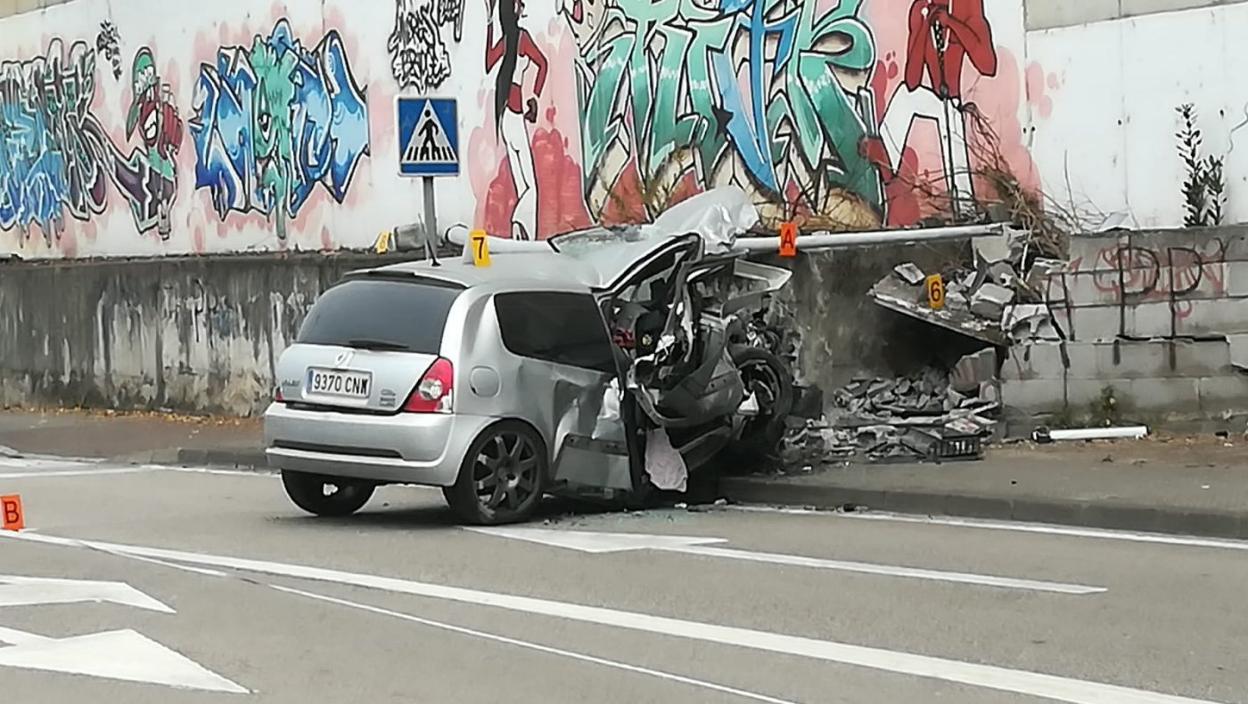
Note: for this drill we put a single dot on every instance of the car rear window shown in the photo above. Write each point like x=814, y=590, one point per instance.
x=402, y=315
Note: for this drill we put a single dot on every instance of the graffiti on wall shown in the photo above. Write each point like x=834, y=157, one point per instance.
x=419, y=58
x=770, y=95
x=57, y=159
x=508, y=55
x=942, y=37
x=148, y=177
x=273, y=121
x=51, y=147
x=108, y=43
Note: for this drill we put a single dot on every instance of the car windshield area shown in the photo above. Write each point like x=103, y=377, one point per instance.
x=582, y=242
x=390, y=314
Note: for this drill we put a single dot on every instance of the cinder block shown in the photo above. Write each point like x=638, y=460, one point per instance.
x=1096, y=253
x=1221, y=394
x=1136, y=359
x=1039, y=360
x=1165, y=396
x=1033, y=396
x=1150, y=283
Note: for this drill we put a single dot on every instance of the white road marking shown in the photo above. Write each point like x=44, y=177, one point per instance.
x=1018, y=527
x=26, y=591
x=619, y=542
x=539, y=647
x=118, y=655
x=987, y=676
x=267, y=474
x=58, y=473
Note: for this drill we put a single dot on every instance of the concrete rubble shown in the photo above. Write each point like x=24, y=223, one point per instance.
x=1001, y=300
x=922, y=417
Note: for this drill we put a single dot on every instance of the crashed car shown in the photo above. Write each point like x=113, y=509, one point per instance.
x=602, y=363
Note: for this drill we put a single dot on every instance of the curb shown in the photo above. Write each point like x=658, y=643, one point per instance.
x=1071, y=512
x=254, y=460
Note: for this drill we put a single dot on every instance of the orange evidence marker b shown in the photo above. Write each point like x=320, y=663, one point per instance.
x=788, y=239
x=11, y=509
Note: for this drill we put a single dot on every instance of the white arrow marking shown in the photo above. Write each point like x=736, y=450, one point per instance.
x=619, y=542
x=116, y=655
x=26, y=591
x=987, y=676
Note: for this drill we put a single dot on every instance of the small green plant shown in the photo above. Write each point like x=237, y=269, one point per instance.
x=1105, y=411
x=1204, y=188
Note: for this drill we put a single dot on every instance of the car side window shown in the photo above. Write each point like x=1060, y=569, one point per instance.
x=564, y=328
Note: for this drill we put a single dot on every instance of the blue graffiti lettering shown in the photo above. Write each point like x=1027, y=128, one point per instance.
x=274, y=120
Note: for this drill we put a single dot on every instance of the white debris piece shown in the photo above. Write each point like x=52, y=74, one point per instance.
x=910, y=273
x=664, y=464
x=990, y=301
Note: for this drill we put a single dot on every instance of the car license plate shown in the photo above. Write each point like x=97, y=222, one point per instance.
x=344, y=384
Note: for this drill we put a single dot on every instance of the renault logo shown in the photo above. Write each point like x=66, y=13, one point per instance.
x=343, y=358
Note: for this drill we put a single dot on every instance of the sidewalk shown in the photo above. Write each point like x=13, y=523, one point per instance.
x=135, y=438
x=1197, y=487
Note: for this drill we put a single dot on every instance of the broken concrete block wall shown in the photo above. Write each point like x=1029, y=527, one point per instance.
x=1155, y=320
x=844, y=334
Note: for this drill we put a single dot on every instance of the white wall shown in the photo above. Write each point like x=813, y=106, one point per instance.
x=1103, y=99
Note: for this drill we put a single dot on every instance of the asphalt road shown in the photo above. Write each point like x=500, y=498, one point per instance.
x=398, y=604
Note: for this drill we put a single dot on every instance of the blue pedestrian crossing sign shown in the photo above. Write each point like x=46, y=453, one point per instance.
x=428, y=130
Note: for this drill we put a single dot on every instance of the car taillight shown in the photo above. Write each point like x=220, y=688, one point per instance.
x=435, y=391
x=277, y=396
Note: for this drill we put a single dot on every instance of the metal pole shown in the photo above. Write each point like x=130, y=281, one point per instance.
x=431, y=222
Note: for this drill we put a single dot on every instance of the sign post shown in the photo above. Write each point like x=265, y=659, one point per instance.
x=428, y=130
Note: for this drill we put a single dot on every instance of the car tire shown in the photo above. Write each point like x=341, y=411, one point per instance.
x=502, y=478
x=763, y=434
x=308, y=492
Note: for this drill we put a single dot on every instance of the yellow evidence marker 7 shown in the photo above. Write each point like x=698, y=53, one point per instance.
x=480, y=245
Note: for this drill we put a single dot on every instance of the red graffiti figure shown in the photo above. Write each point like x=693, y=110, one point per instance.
x=943, y=35
x=512, y=111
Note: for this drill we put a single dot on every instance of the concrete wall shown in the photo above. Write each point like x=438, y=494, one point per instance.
x=1153, y=318
x=1103, y=96
x=201, y=334
x=191, y=334
x=150, y=127
x=1047, y=14
x=13, y=7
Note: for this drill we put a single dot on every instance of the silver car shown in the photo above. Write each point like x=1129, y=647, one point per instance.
x=549, y=371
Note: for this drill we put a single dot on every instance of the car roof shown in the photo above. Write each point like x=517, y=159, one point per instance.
x=599, y=266
x=507, y=270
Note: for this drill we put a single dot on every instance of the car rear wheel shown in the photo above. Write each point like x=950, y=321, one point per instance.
x=326, y=496
x=769, y=379
x=503, y=476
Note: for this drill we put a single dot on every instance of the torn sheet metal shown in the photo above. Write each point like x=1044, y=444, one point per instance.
x=718, y=216
x=896, y=295
x=756, y=281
